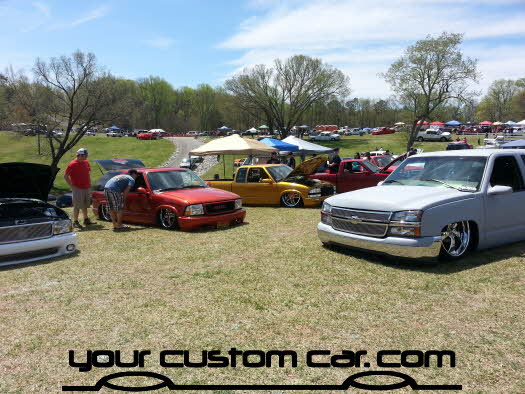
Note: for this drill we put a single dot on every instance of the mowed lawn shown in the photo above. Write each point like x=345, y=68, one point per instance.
x=268, y=284
x=15, y=148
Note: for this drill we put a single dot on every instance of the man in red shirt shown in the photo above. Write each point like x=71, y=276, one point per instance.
x=77, y=175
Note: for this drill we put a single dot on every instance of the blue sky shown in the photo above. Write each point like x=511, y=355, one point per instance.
x=190, y=42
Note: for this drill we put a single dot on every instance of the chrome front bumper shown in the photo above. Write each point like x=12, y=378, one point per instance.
x=413, y=248
x=57, y=245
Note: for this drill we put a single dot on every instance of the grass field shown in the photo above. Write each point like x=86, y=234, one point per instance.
x=349, y=145
x=15, y=148
x=268, y=284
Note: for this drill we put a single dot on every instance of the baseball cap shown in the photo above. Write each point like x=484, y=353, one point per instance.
x=82, y=151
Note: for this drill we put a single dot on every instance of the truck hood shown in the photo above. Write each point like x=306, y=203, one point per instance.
x=307, y=167
x=397, y=198
x=27, y=180
x=119, y=164
x=199, y=195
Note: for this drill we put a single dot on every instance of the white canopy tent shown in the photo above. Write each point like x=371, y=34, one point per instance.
x=522, y=122
x=306, y=147
x=233, y=145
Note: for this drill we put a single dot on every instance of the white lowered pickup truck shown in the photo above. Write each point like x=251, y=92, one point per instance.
x=434, y=205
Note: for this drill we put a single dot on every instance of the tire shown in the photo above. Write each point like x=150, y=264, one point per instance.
x=291, y=200
x=420, y=139
x=442, y=139
x=168, y=219
x=457, y=240
x=103, y=212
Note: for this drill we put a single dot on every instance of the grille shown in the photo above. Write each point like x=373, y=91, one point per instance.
x=372, y=216
x=28, y=255
x=220, y=207
x=26, y=232
x=372, y=229
x=327, y=190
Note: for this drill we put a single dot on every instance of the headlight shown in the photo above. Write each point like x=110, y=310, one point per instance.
x=326, y=207
x=196, y=209
x=62, y=227
x=314, y=192
x=238, y=203
x=405, y=224
x=406, y=216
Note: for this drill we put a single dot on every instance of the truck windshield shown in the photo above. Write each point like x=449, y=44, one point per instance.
x=174, y=180
x=279, y=172
x=461, y=173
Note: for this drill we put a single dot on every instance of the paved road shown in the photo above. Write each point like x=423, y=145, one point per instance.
x=184, y=146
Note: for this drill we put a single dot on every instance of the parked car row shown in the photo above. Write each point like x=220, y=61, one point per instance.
x=429, y=205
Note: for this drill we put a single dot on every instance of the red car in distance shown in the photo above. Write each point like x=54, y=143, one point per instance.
x=174, y=198
x=383, y=130
x=148, y=136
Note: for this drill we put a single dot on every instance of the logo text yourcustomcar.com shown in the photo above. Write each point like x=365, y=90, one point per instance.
x=234, y=358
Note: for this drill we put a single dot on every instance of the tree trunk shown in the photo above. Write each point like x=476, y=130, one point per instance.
x=416, y=126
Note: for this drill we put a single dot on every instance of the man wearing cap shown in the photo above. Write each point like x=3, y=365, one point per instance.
x=290, y=162
x=78, y=177
x=273, y=159
x=116, y=192
x=333, y=161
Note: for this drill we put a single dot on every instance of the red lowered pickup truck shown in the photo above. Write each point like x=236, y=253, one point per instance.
x=356, y=174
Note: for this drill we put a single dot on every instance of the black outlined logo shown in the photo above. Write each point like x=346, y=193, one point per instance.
x=214, y=359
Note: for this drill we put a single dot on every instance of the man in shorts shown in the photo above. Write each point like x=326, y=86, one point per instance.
x=116, y=191
x=78, y=177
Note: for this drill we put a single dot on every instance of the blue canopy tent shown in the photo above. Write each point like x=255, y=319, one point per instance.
x=518, y=144
x=453, y=123
x=281, y=145
x=114, y=127
x=511, y=123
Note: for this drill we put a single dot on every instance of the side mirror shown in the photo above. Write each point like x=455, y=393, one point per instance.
x=141, y=190
x=498, y=189
x=266, y=180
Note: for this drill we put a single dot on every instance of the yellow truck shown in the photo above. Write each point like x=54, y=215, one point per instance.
x=278, y=184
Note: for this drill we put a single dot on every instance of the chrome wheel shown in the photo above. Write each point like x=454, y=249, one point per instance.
x=455, y=239
x=167, y=218
x=104, y=212
x=291, y=199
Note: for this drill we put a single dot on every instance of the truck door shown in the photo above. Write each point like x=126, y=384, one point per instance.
x=504, y=219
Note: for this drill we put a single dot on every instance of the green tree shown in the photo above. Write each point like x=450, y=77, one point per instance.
x=158, y=96
x=430, y=73
x=70, y=93
x=286, y=91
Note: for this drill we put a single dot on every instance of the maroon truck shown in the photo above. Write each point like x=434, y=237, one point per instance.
x=355, y=174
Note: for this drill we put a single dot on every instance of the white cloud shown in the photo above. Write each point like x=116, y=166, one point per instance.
x=43, y=8
x=160, y=42
x=363, y=37
x=92, y=15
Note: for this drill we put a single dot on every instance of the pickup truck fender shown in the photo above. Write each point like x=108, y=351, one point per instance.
x=173, y=207
x=437, y=217
x=302, y=193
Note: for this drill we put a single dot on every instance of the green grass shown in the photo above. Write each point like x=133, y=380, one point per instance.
x=349, y=145
x=268, y=284
x=15, y=148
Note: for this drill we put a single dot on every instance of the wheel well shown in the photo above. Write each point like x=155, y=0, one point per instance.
x=475, y=234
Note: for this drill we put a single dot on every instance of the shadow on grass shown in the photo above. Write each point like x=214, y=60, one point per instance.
x=216, y=229
x=93, y=227
x=473, y=260
x=16, y=266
